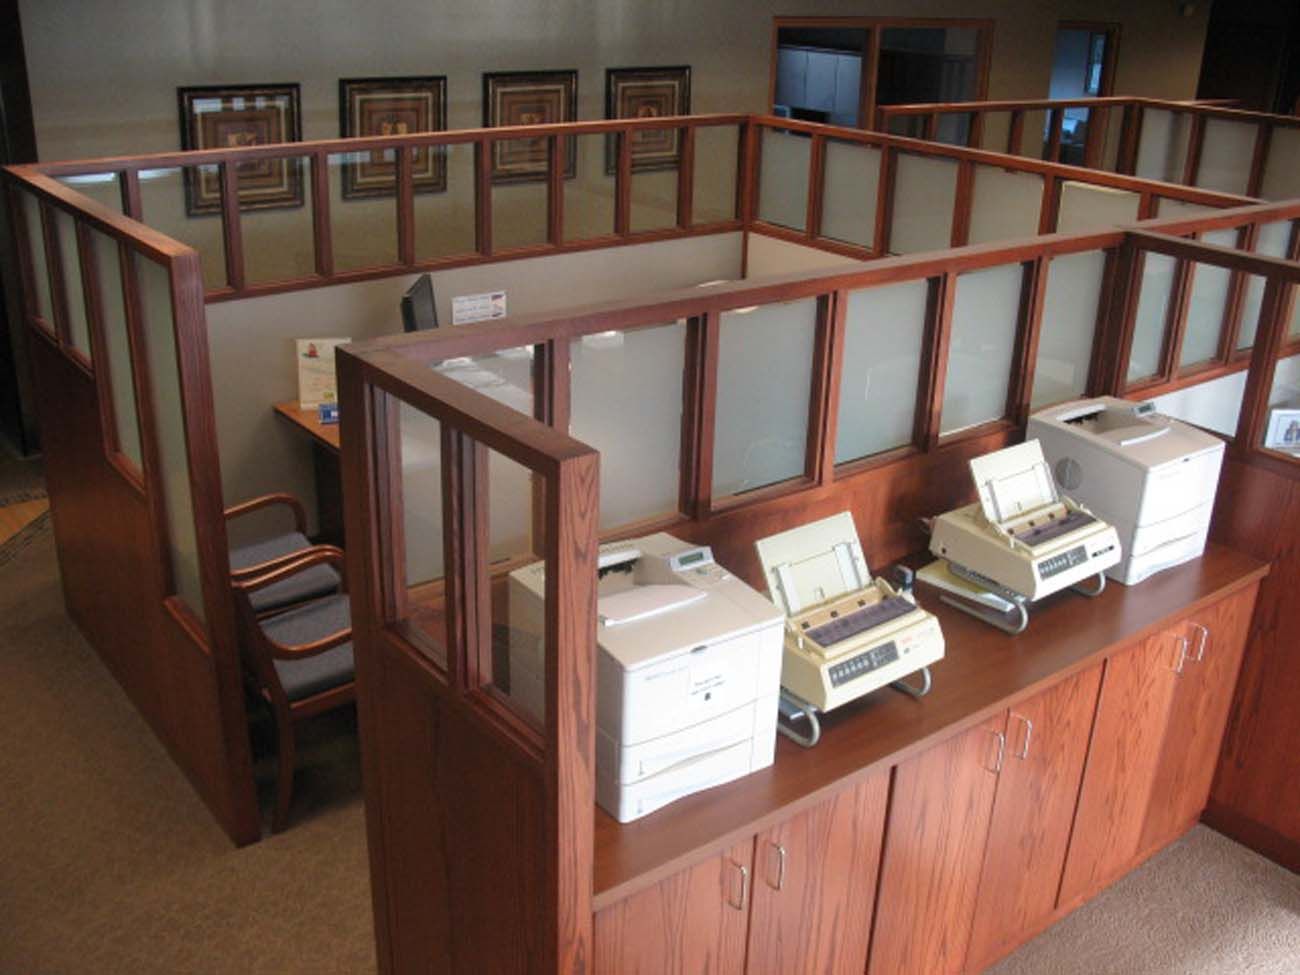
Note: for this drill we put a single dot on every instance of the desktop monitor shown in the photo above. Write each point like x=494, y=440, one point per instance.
x=418, y=309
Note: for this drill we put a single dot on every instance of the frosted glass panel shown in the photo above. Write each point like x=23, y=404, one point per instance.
x=421, y=495
x=505, y=376
x=1225, y=155
x=1167, y=208
x=1149, y=328
x=783, y=179
x=849, y=193
x=1069, y=323
x=1282, y=429
x=1005, y=205
x=1282, y=166
x=169, y=420
x=626, y=401
x=764, y=383
x=70, y=263
x=510, y=510
x=1215, y=405
x=985, y=317
x=925, y=193
x=1162, y=148
x=40, y=296
x=883, y=331
x=1271, y=241
x=1207, y=305
x=1085, y=208
x=108, y=269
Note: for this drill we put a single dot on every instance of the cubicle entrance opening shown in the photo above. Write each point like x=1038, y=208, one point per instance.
x=1083, y=66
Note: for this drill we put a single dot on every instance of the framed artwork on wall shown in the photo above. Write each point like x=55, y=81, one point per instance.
x=392, y=106
x=233, y=116
x=529, y=98
x=647, y=93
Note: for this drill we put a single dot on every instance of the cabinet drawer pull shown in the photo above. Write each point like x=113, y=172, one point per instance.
x=1183, y=647
x=780, y=867
x=1002, y=750
x=1029, y=735
x=1202, y=641
x=744, y=887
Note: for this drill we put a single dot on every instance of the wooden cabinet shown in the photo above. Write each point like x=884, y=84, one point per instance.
x=1038, y=787
x=798, y=896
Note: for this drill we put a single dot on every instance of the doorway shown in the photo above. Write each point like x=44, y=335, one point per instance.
x=1083, y=66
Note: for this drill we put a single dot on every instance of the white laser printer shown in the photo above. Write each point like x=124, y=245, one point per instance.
x=1021, y=541
x=688, y=670
x=1151, y=476
x=847, y=634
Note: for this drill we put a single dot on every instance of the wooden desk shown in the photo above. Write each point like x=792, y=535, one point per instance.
x=325, y=464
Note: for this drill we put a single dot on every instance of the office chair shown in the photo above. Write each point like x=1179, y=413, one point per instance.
x=267, y=553
x=300, y=658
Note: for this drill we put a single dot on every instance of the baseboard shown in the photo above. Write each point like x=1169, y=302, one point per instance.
x=1264, y=840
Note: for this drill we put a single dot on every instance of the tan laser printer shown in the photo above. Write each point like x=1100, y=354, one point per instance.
x=1019, y=542
x=846, y=633
x=687, y=671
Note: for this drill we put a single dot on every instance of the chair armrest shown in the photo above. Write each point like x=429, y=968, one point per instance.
x=266, y=501
x=292, y=565
x=296, y=651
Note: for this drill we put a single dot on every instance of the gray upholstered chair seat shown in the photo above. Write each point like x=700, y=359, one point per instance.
x=318, y=580
x=312, y=621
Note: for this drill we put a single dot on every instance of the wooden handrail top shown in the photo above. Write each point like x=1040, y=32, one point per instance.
x=1210, y=107
x=1228, y=257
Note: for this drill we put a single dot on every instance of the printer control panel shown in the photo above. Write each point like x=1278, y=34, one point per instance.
x=697, y=567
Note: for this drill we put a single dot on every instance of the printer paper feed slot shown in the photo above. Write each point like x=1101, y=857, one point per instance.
x=643, y=602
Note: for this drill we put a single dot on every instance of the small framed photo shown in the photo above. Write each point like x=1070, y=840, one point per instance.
x=392, y=106
x=647, y=93
x=529, y=98
x=1283, y=431
x=233, y=116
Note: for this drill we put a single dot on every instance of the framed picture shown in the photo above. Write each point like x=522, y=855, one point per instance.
x=1283, y=431
x=647, y=93
x=231, y=116
x=529, y=98
x=392, y=106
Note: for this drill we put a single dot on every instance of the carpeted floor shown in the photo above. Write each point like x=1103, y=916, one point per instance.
x=110, y=864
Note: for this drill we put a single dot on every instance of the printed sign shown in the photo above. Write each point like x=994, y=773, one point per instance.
x=478, y=308
x=316, y=382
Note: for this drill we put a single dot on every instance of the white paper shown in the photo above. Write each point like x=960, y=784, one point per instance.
x=478, y=308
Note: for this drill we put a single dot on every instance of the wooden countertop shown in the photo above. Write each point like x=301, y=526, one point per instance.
x=983, y=671
x=326, y=434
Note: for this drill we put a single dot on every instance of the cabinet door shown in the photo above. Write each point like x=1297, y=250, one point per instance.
x=1047, y=742
x=1136, y=695
x=815, y=885
x=934, y=847
x=693, y=922
x=1216, y=639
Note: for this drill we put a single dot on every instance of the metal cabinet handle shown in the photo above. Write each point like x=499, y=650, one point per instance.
x=780, y=867
x=1029, y=735
x=1202, y=641
x=1183, y=647
x=744, y=888
x=1002, y=750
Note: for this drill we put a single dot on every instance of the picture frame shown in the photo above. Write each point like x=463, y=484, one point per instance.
x=229, y=116
x=647, y=93
x=1283, y=431
x=392, y=106
x=529, y=98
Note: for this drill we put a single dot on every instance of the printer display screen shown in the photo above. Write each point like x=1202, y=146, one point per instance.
x=863, y=663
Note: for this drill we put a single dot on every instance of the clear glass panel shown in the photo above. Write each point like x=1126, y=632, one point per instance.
x=1152, y=309
x=883, y=332
x=1214, y=405
x=505, y=376
x=70, y=263
x=1074, y=135
x=783, y=179
x=589, y=198
x=849, y=192
x=952, y=128
x=159, y=335
x=717, y=149
x=519, y=586
x=278, y=243
x=1085, y=207
x=1074, y=284
x=1226, y=154
x=1282, y=431
x=654, y=179
x=1282, y=165
x=1032, y=144
x=626, y=401
x=40, y=298
x=444, y=202
x=185, y=204
x=103, y=188
x=421, y=439
x=1004, y=205
x=519, y=199
x=108, y=268
x=764, y=383
x=1271, y=241
x=925, y=193
x=363, y=227
x=1162, y=145
x=1207, y=305
x=985, y=319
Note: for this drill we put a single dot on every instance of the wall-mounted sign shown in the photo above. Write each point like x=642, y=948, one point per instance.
x=478, y=308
